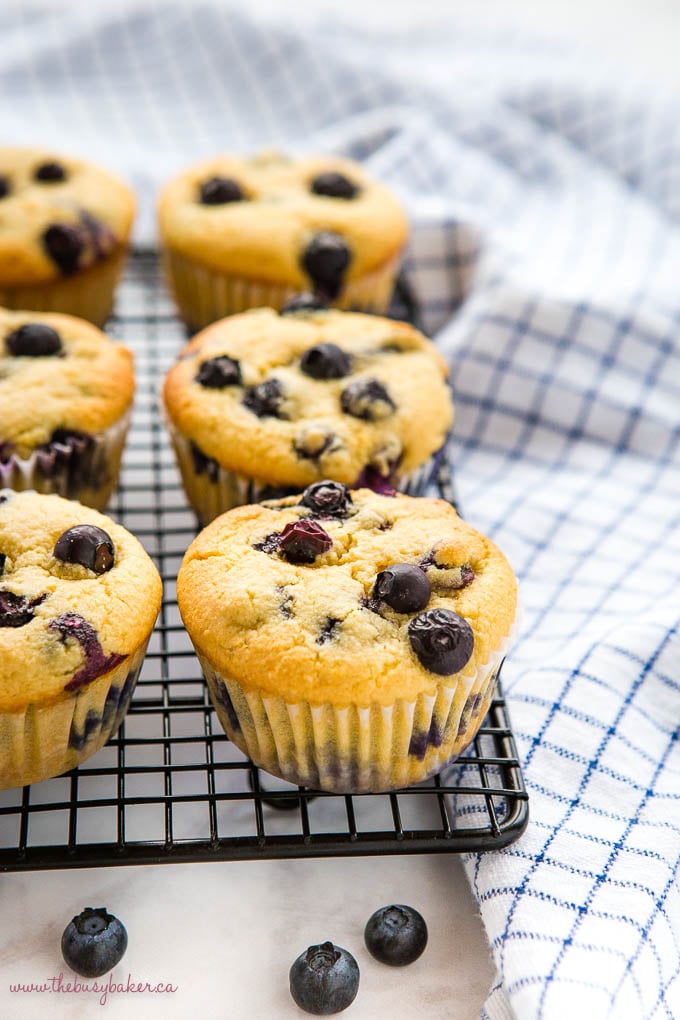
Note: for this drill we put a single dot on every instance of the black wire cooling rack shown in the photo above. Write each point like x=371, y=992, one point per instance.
x=170, y=786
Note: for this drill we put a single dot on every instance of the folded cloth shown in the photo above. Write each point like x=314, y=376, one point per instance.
x=544, y=192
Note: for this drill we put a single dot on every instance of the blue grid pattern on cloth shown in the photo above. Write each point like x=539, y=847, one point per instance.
x=544, y=197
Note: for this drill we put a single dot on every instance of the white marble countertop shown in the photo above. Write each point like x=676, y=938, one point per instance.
x=225, y=935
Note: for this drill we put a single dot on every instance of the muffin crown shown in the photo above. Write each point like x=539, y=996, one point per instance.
x=287, y=399
x=58, y=373
x=308, y=222
x=58, y=215
x=78, y=594
x=355, y=602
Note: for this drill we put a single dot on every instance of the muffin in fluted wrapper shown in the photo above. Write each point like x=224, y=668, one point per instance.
x=66, y=393
x=65, y=228
x=78, y=601
x=350, y=640
x=261, y=405
x=249, y=232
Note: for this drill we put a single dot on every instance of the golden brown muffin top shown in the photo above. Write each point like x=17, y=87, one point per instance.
x=297, y=597
x=67, y=617
x=58, y=372
x=261, y=223
x=58, y=215
x=288, y=399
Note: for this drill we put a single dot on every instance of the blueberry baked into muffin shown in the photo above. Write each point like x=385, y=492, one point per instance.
x=350, y=640
x=264, y=403
x=64, y=227
x=78, y=601
x=65, y=396
x=244, y=233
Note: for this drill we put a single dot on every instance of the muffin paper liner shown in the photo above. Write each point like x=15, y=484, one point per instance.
x=87, y=294
x=44, y=741
x=355, y=749
x=205, y=295
x=89, y=477
x=212, y=489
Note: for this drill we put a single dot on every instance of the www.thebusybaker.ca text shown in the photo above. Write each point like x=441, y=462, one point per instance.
x=103, y=989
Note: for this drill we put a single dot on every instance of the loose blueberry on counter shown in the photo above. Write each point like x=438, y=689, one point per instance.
x=302, y=541
x=4, y=186
x=442, y=640
x=218, y=373
x=49, y=173
x=220, y=191
x=329, y=498
x=64, y=244
x=304, y=302
x=367, y=399
x=71, y=625
x=325, y=260
x=17, y=610
x=94, y=942
x=33, y=340
x=265, y=399
x=403, y=587
x=334, y=185
x=87, y=545
x=326, y=361
x=324, y=980
x=396, y=935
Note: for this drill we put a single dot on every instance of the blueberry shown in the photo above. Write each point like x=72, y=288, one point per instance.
x=94, y=942
x=87, y=545
x=303, y=541
x=220, y=191
x=327, y=632
x=396, y=935
x=17, y=610
x=49, y=173
x=403, y=587
x=331, y=498
x=217, y=373
x=304, y=302
x=367, y=399
x=325, y=260
x=326, y=361
x=334, y=185
x=73, y=626
x=324, y=980
x=265, y=399
x=64, y=244
x=442, y=640
x=33, y=340
x=4, y=186
x=311, y=443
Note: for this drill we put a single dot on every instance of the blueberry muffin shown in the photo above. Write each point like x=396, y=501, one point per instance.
x=243, y=233
x=78, y=601
x=64, y=226
x=65, y=396
x=264, y=403
x=350, y=640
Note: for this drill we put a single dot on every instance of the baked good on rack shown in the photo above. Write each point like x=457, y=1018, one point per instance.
x=64, y=227
x=78, y=601
x=66, y=392
x=264, y=403
x=350, y=640
x=242, y=233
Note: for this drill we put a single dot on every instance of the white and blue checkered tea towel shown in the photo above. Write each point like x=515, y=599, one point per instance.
x=545, y=195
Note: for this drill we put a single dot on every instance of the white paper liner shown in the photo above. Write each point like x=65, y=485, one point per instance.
x=355, y=749
x=204, y=295
x=21, y=473
x=44, y=741
x=87, y=294
x=215, y=489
